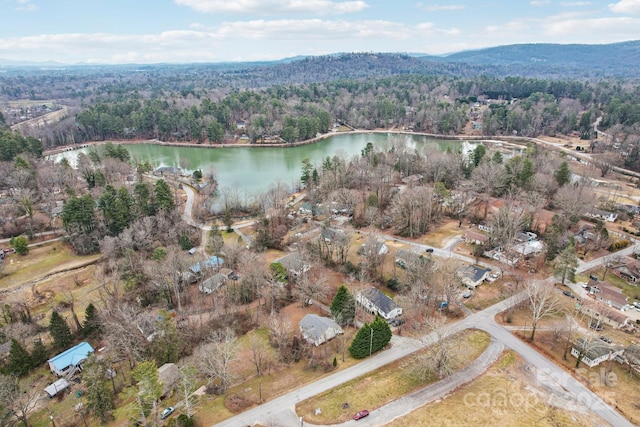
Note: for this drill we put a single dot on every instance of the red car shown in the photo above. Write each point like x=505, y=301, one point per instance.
x=361, y=414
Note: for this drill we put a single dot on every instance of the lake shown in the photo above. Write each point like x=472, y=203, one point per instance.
x=253, y=169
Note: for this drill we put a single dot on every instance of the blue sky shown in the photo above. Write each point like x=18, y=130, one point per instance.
x=151, y=31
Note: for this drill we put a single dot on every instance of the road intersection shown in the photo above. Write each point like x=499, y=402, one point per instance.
x=281, y=411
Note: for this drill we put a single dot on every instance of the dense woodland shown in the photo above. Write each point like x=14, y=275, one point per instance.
x=201, y=104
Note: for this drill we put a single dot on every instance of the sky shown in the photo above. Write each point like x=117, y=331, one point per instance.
x=183, y=31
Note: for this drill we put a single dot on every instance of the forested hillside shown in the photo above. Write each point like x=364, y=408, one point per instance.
x=289, y=101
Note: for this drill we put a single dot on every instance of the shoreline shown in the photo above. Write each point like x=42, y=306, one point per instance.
x=504, y=139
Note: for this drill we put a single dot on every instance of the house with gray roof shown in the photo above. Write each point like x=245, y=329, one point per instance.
x=595, y=351
x=212, y=284
x=378, y=303
x=332, y=235
x=317, y=329
x=472, y=276
x=294, y=263
x=409, y=259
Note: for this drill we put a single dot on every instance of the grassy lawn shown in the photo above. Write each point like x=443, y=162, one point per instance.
x=383, y=385
x=620, y=393
x=276, y=381
x=443, y=232
x=39, y=262
x=503, y=396
x=486, y=295
x=632, y=291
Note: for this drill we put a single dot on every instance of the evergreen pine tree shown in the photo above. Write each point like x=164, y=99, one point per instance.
x=343, y=306
x=349, y=309
x=59, y=330
x=149, y=385
x=566, y=263
x=563, y=174
x=166, y=343
x=40, y=354
x=99, y=395
x=370, y=338
x=338, y=303
x=361, y=346
x=91, y=322
x=19, y=359
x=164, y=196
x=381, y=333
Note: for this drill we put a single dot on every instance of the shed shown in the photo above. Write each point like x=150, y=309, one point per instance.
x=55, y=388
x=70, y=359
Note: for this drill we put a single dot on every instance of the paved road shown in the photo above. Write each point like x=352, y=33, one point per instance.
x=400, y=347
x=548, y=372
x=280, y=409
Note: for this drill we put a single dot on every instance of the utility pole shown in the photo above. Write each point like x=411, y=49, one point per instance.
x=371, y=342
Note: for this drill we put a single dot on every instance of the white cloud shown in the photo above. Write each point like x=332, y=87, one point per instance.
x=274, y=7
x=439, y=7
x=612, y=27
x=239, y=40
x=318, y=29
x=25, y=6
x=508, y=27
x=539, y=2
x=625, y=6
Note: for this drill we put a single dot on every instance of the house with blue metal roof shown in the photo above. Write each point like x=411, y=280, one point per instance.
x=70, y=359
x=213, y=262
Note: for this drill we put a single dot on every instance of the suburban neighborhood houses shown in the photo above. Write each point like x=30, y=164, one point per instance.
x=349, y=239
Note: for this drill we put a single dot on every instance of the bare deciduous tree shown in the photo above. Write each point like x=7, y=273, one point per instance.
x=439, y=355
x=446, y=280
x=373, y=255
x=215, y=357
x=168, y=274
x=281, y=336
x=19, y=402
x=310, y=286
x=125, y=327
x=543, y=302
x=259, y=354
x=413, y=211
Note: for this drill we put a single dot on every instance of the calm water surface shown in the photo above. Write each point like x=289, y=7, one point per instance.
x=254, y=169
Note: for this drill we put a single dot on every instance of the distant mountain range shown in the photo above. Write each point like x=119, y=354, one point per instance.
x=621, y=56
x=563, y=61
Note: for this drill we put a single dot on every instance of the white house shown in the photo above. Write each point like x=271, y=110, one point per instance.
x=472, y=276
x=70, y=360
x=378, y=303
x=317, y=329
x=595, y=351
